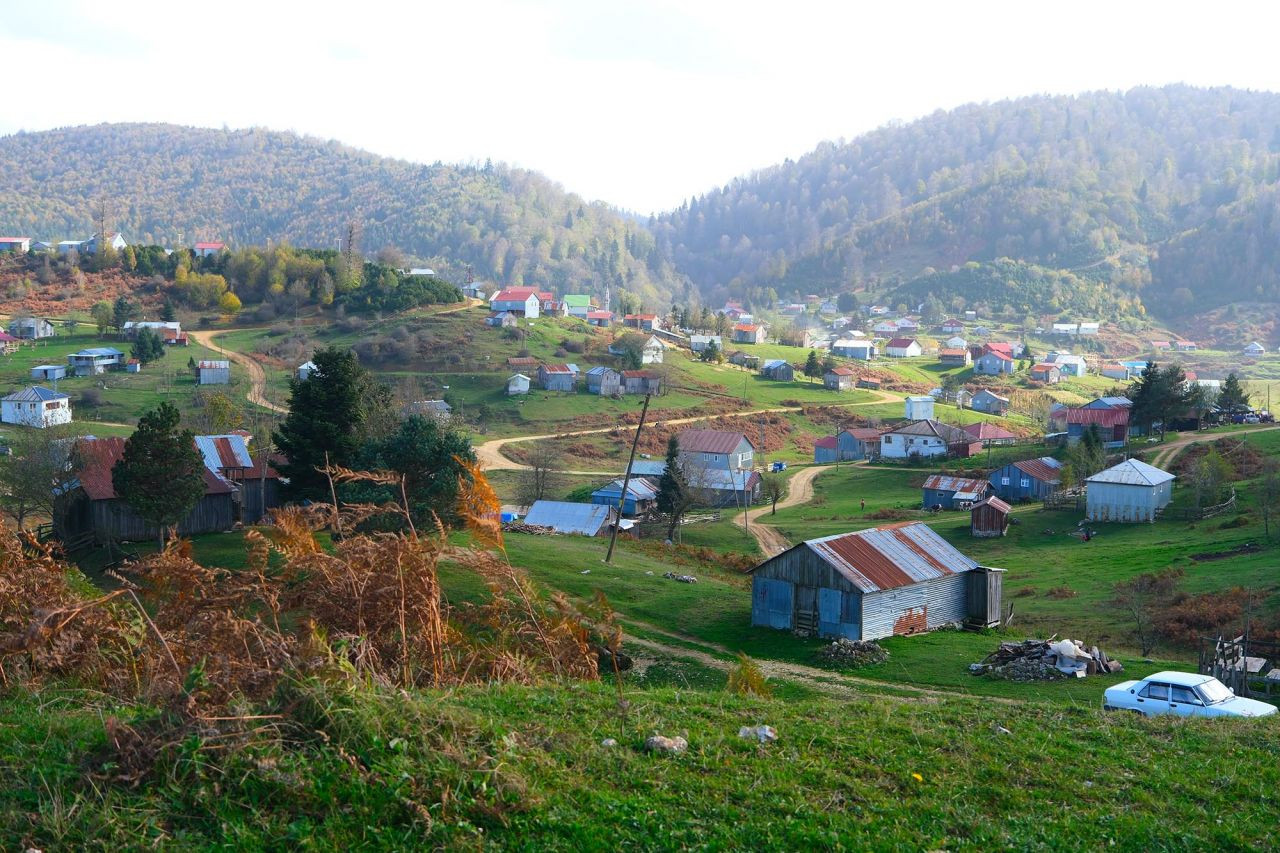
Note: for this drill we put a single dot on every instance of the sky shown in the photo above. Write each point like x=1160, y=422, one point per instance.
x=641, y=105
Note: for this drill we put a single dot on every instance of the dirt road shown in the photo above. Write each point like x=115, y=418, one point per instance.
x=492, y=459
x=1168, y=451
x=257, y=376
x=800, y=491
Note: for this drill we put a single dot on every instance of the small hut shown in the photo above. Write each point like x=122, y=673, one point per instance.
x=989, y=518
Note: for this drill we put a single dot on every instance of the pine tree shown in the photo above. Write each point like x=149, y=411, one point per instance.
x=147, y=347
x=160, y=475
x=674, y=494
x=812, y=368
x=1232, y=396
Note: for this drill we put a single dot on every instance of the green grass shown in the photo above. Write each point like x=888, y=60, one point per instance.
x=524, y=768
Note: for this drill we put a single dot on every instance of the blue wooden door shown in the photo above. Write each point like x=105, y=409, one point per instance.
x=829, y=611
x=771, y=603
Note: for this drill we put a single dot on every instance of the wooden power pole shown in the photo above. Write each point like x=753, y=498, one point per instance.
x=626, y=480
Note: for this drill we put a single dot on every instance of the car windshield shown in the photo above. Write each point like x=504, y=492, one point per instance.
x=1215, y=691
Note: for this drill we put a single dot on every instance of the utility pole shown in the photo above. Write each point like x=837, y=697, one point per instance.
x=626, y=480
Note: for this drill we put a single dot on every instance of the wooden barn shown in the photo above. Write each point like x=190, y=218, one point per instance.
x=901, y=578
x=989, y=518
x=90, y=511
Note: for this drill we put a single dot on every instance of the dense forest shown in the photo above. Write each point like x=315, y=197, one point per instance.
x=1152, y=200
x=163, y=184
x=1093, y=184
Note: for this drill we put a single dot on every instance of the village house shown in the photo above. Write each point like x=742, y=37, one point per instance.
x=114, y=240
x=993, y=363
x=918, y=408
x=1089, y=328
x=602, y=319
x=960, y=397
x=872, y=383
x=30, y=328
x=66, y=247
x=1069, y=364
x=744, y=359
x=1112, y=424
x=604, y=381
x=643, y=322
x=891, y=580
x=90, y=511
x=523, y=362
x=653, y=351
x=641, y=382
x=748, y=333
x=989, y=518
x=1049, y=374
x=885, y=327
x=989, y=402
x=863, y=350
x=1066, y=328
x=36, y=406
x=907, y=326
x=952, y=327
x=990, y=434
x=720, y=487
x=577, y=305
x=956, y=342
x=305, y=370
x=1110, y=403
x=49, y=372
x=955, y=357
x=502, y=320
x=946, y=492
x=698, y=343
x=476, y=290
x=557, y=377
x=205, y=250
x=582, y=519
x=1185, y=346
x=1115, y=371
x=1130, y=491
x=15, y=244
x=927, y=438
x=1027, y=480
x=521, y=301
x=517, y=384
x=839, y=379
x=641, y=498
x=717, y=449
x=848, y=445
x=778, y=369
x=167, y=330
x=902, y=348
x=1253, y=348
x=95, y=360
x=1161, y=346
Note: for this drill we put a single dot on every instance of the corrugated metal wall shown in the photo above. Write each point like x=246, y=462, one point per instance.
x=1120, y=502
x=931, y=604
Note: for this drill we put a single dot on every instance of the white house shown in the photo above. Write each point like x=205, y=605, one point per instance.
x=902, y=348
x=517, y=384
x=1130, y=491
x=1066, y=328
x=698, y=343
x=863, y=350
x=1254, y=348
x=922, y=438
x=918, y=408
x=305, y=370
x=956, y=342
x=114, y=240
x=518, y=300
x=652, y=351
x=1089, y=328
x=15, y=244
x=30, y=328
x=36, y=406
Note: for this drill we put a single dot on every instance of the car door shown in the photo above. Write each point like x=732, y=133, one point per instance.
x=1154, y=698
x=1184, y=702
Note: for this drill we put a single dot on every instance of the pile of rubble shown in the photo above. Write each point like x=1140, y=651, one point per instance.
x=853, y=653
x=534, y=529
x=682, y=578
x=1045, y=660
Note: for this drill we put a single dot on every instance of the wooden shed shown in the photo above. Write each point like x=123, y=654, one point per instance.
x=989, y=518
x=900, y=578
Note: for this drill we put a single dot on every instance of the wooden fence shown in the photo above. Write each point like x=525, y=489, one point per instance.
x=1193, y=514
x=1246, y=665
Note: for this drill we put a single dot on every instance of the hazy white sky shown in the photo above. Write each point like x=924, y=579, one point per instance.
x=638, y=104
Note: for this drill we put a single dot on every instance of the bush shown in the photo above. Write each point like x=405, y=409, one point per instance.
x=1061, y=592
x=90, y=398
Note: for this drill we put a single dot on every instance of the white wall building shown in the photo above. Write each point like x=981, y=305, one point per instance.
x=36, y=406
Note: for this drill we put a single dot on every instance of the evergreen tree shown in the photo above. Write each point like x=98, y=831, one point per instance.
x=168, y=313
x=325, y=415
x=160, y=475
x=123, y=311
x=428, y=455
x=674, y=495
x=147, y=347
x=711, y=353
x=1232, y=396
x=812, y=368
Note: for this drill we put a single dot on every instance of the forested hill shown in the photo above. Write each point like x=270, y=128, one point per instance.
x=252, y=186
x=1095, y=185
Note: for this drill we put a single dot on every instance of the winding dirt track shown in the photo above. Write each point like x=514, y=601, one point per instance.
x=492, y=459
x=1169, y=451
x=800, y=491
x=257, y=376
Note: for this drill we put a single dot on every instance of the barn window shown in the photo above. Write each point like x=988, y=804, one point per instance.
x=1004, y=481
x=1025, y=482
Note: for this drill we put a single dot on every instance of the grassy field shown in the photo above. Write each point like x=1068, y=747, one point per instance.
x=523, y=767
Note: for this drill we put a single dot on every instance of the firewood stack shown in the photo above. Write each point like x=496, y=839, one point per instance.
x=1051, y=658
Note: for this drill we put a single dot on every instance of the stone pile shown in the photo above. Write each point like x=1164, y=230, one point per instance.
x=1043, y=660
x=853, y=653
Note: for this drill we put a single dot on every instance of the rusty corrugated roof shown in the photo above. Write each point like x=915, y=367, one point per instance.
x=1046, y=469
x=891, y=556
x=947, y=483
x=97, y=456
x=710, y=441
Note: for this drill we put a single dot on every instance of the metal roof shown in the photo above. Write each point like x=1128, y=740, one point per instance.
x=96, y=457
x=947, y=483
x=214, y=365
x=772, y=363
x=638, y=488
x=35, y=394
x=556, y=368
x=1132, y=472
x=984, y=430
x=95, y=352
x=995, y=503
x=1101, y=417
x=567, y=517
x=224, y=451
x=648, y=468
x=828, y=442
x=900, y=343
x=938, y=429
x=710, y=441
x=1046, y=469
x=891, y=556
